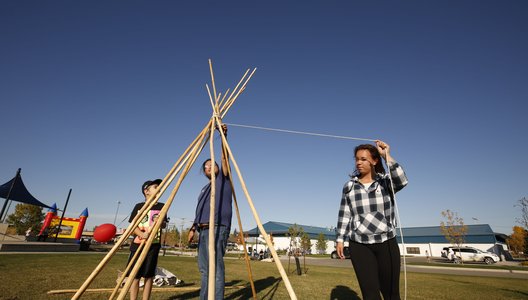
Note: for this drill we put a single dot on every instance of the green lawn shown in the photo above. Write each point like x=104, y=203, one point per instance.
x=31, y=276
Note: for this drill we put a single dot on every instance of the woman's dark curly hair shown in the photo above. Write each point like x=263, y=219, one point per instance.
x=374, y=153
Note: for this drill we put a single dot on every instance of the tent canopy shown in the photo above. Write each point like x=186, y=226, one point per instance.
x=19, y=192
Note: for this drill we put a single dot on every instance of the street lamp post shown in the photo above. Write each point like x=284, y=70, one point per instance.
x=115, y=217
x=181, y=233
x=167, y=231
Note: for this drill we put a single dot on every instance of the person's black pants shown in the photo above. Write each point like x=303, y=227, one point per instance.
x=377, y=269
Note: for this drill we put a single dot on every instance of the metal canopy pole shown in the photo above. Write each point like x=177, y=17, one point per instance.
x=62, y=217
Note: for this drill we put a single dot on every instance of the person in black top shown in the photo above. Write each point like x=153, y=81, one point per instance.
x=141, y=234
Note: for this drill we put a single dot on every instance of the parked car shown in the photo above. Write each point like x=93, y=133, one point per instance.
x=231, y=246
x=345, y=251
x=470, y=254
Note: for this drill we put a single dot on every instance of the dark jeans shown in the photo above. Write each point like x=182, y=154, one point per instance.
x=377, y=269
x=221, y=236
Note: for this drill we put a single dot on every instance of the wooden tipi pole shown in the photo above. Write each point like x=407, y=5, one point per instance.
x=232, y=100
x=212, y=255
x=259, y=223
x=241, y=231
x=127, y=269
x=212, y=226
x=211, y=240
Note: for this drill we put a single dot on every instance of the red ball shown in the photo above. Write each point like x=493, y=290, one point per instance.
x=104, y=232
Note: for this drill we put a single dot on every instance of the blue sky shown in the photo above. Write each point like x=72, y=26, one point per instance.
x=99, y=96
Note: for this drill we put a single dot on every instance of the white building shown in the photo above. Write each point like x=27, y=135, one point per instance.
x=419, y=239
x=416, y=239
x=281, y=241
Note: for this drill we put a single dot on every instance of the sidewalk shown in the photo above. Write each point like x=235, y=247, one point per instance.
x=469, y=269
x=479, y=266
x=438, y=266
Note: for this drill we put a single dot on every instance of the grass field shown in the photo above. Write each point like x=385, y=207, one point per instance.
x=31, y=276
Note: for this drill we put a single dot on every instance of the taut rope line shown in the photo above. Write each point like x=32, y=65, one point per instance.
x=301, y=132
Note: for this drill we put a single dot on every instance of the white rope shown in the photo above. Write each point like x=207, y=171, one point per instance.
x=302, y=132
x=397, y=214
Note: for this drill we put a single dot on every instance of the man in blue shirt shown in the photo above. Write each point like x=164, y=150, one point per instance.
x=223, y=213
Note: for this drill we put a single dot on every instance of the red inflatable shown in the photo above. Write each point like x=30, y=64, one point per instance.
x=104, y=232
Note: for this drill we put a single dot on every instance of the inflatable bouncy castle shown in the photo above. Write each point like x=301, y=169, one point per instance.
x=68, y=231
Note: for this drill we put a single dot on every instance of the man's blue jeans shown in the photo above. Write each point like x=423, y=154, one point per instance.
x=221, y=236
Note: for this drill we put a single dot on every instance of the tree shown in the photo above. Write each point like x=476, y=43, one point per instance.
x=321, y=243
x=525, y=242
x=306, y=244
x=453, y=229
x=170, y=236
x=26, y=216
x=523, y=205
x=235, y=236
x=294, y=232
x=517, y=239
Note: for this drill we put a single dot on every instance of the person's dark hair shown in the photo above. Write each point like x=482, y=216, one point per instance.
x=202, y=170
x=374, y=153
x=149, y=183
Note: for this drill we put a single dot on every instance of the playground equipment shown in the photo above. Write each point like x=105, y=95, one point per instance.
x=66, y=230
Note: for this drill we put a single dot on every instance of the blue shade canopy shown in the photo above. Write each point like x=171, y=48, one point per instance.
x=19, y=192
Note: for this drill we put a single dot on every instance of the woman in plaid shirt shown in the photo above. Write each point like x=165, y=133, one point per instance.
x=366, y=219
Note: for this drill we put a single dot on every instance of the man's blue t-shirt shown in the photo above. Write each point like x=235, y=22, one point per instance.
x=223, y=202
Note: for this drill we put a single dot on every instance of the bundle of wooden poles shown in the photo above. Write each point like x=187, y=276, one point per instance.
x=182, y=167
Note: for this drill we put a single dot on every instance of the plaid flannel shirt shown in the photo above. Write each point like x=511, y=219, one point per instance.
x=367, y=215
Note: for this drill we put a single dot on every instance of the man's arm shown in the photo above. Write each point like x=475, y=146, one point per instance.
x=191, y=233
x=140, y=233
x=225, y=155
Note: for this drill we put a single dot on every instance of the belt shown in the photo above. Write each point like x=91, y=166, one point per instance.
x=206, y=225
x=203, y=225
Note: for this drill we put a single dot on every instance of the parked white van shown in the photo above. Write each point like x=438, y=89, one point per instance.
x=470, y=254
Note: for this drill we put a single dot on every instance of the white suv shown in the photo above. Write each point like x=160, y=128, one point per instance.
x=470, y=254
